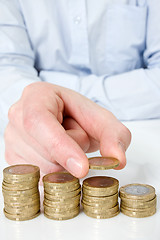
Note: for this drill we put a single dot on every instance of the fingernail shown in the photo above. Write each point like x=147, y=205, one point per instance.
x=122, y=147
x=74, y=166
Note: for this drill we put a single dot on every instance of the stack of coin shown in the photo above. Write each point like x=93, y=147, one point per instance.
x=20, y=192
x=100, y=197
x=138, y=200
x=62, y=193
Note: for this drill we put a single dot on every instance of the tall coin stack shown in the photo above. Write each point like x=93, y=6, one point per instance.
x=62, y=193
x=138, y=200
x=20, y=192
x=100, y=197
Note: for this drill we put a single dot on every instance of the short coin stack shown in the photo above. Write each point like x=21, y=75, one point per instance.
x=100, y=197
x=20, y=192
x=62, y=193
x=138, y=200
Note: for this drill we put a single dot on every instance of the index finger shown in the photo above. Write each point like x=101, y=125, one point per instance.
x=100, y=124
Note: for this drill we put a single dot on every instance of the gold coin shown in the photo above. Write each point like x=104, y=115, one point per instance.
x=20, y=171
x=100, y=216
x=21, y=193
x=103, y=163
x=33, y=179
x=63, y=217
x=137, y=191
x=105, y=205
x=133, y=203
x=23, y=204
x=139, y=209
x=65, y=194
x=100, y=186
x=100, y=182
x=61, y=188
x=138, y=214
x=24, y=211
x=20, y=218
x=22, y=199
x=62, y=210
x=60, y=178
x=61, y=204
x=18, y=187
x=101, y=210
x=100, y=200
x=60, y=199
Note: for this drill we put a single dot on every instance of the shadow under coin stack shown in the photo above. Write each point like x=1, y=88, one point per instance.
x=20, y=192
x=100, y=197
x=138, y=200
x=62, y=193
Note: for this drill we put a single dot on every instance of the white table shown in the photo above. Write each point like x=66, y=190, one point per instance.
x=143, y=167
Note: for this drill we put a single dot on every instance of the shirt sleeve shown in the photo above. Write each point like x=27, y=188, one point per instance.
x=134, y=95
x=16, y=58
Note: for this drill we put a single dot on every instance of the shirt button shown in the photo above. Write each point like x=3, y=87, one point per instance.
x=77, y=20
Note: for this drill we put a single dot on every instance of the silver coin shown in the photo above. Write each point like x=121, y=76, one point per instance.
x=137, y=190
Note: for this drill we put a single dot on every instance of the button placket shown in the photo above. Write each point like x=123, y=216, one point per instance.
x=79, y=54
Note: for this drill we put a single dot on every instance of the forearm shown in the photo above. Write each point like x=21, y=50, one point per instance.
x=130, y=96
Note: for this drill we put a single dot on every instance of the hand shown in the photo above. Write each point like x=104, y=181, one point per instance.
x=53, y=127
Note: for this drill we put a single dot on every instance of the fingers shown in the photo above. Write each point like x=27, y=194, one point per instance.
x=77, y=133
x=89, y=126
x=74, y=130
x=15, y=116
x=48, y=132
x=99, y=124
x=20, y=152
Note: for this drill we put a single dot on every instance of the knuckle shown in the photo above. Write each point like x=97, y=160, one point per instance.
x=126, y=135
x=12, y=113
x=27, y=89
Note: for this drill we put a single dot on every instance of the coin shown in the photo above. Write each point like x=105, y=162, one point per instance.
x=101, y=216
x=65, y=188
x=65, y=209
x=18, y=187
x=21, y=202
x=133, y=203
x=24, y=211
x=138, y=191
x=138, y=200
x=64, y=194
x=20, y=192
x=138, y=209
x=63, y=217
x=100, y=200
x=101, y=210
x=107, y=205
x=138, y=214
x=20, y=171
x=100, y=197
x=100, y=186
x=62, y=205
x=103, y=163
x=61, y=196
x=60, y=179
x=20, y=218
x=62, y=201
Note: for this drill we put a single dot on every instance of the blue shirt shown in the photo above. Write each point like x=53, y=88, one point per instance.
x=108, y=50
